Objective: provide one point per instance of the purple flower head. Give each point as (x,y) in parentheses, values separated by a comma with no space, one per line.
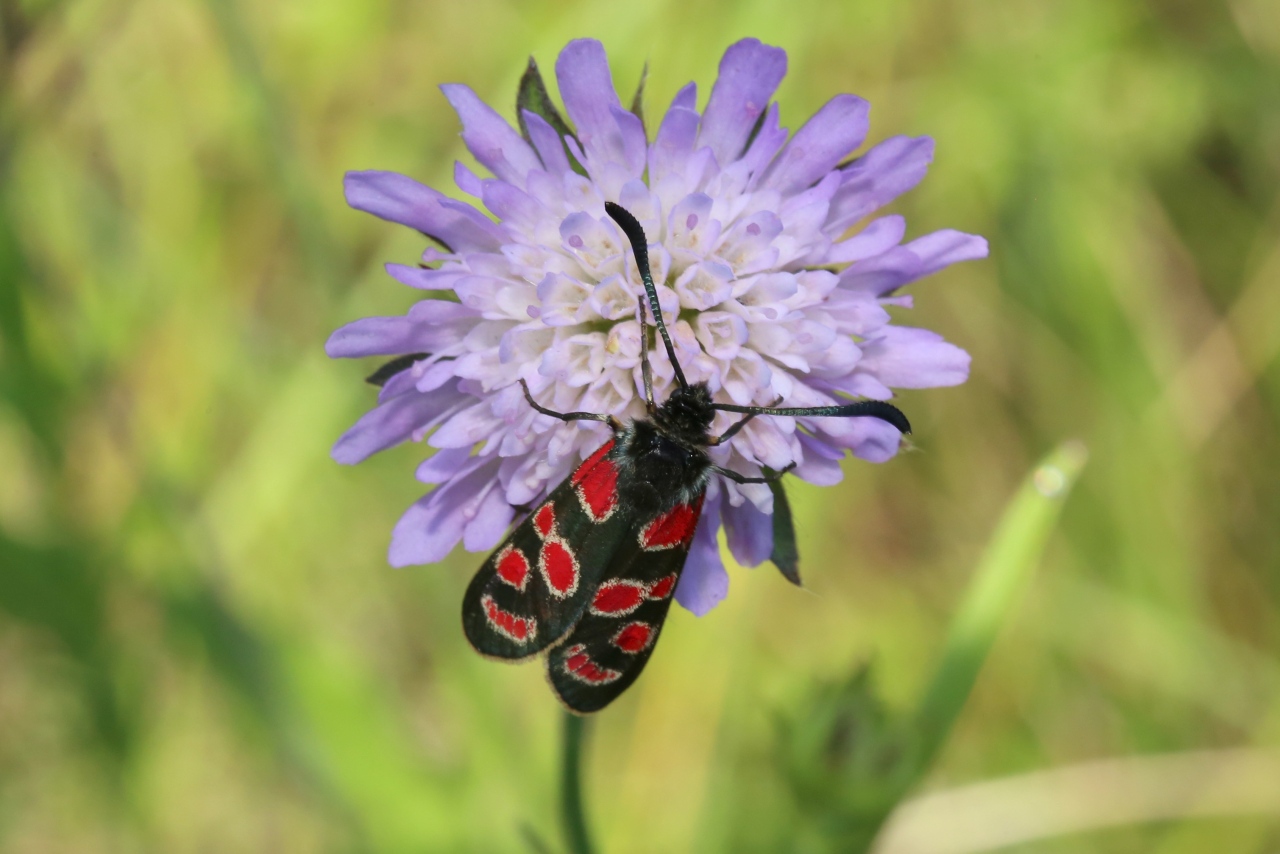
(772,273)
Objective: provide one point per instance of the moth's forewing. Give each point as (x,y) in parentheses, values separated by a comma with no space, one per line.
(537,584)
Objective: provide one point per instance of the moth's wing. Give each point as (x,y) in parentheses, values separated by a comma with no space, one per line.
(536,585)
(615,637)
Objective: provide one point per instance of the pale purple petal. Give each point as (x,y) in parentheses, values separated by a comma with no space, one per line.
(586,86)
(870,439)
(375,336)
(904,357)
(878,177)
(488,519)
(548,143)
(435,523)
(511,204)
(467,181)
(686,98)
(425,278)
(904,264)
(430,326)
(946,247)
(634,144)
(400,199)
(878,237)
(471,425)
(489,137)
(749,533)
(444,465)
(704,582)
(884,272)
(821,463)
(767,143)
(834,131)
(392,422)
(673,144)
(749,75)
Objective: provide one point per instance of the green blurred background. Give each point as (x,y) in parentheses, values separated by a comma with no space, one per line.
(202,648)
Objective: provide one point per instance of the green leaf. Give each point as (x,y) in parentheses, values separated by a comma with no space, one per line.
(637,103)
(532,95)
(786,557)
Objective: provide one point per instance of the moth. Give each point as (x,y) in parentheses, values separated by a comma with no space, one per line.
(588,576)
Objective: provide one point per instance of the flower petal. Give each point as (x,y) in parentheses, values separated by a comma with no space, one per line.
(749,75)
(443,465)
(548,144)
(425,278)
(904,264)
(467,181)
(487,135)
(398,198)
(434,524)
(704,582)
(487,519)
(878,177)
(870,439)
(878,237)
(749,533)
(393,421)
(834,131)
(905,357)
(374,336)
(586,86)
(429,326)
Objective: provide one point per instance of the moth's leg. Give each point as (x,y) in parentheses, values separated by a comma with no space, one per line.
(741,478)
(733,429)
(645,370)
(570,416)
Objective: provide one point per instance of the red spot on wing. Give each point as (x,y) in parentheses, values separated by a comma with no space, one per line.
(662,588)
(633,637)
(596,482)
(616,598)
(544,521)
(673,528)
(513,626)
(559,567)
(590,462)
(513,567)
(580,666)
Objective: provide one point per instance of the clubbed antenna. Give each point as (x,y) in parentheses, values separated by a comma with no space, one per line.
(640,246)
(860,409)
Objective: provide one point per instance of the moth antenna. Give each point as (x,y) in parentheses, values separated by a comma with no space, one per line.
(860,409)
(640,246)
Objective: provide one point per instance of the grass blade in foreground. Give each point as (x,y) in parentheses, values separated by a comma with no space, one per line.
(849,759)
(1010,558)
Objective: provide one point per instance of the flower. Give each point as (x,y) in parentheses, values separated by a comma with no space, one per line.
(772,285)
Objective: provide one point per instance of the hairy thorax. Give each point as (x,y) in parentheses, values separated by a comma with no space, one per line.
(663,462)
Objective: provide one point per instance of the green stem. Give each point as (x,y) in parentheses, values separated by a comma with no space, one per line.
(571,810)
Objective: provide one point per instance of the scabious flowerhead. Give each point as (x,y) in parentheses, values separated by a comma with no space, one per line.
(772,276)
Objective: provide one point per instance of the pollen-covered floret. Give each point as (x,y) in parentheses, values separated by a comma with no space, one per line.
(772,271)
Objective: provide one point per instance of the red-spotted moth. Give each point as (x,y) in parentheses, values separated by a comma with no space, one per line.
(589,575)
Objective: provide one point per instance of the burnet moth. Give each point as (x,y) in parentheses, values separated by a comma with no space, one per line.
(589,575)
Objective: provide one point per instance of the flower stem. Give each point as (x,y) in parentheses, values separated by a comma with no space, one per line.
(571,810)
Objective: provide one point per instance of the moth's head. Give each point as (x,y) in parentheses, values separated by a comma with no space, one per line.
(687,413)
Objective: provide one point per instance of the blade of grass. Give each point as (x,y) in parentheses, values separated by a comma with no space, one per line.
(1007,565)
